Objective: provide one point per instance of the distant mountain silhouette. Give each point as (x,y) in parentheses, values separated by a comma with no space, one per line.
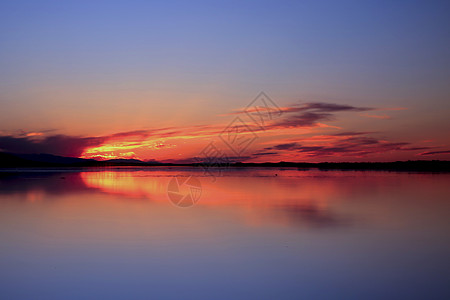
(124,161)
(8,160)
(18,160)
(11,160)
(53,159)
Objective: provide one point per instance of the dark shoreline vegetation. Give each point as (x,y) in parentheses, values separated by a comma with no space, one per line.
(10,160)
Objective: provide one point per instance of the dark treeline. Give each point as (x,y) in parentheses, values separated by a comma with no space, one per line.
(410,165)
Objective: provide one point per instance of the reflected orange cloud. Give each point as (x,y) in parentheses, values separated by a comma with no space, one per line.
(129,184)
(153,185)
(35,195)
(300,198)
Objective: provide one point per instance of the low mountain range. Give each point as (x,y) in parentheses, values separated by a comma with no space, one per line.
(15,160)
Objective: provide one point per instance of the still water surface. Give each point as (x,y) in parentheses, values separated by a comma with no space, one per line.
(251,235)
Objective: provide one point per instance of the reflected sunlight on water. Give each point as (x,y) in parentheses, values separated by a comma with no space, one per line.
(301,234)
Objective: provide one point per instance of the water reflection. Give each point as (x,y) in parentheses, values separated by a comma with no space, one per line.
(302,234)
(263,198)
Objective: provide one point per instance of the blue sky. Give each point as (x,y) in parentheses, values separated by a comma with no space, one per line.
(104,60)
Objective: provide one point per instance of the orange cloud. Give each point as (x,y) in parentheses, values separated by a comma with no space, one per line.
(184,143)
(34,134)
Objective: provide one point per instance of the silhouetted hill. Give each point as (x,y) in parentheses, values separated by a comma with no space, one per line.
(12,160)
(53,159)
(8,160)
(123,160)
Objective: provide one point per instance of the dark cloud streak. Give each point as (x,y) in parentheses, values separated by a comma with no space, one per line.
(436,152)
(310,114)
(354,144)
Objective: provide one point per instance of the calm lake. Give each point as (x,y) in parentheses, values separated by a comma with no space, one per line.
(175,233)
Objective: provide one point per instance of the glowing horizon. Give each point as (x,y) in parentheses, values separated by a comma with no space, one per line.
(301,132)
(158,81)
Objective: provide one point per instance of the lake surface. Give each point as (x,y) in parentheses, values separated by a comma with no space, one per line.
(249,234)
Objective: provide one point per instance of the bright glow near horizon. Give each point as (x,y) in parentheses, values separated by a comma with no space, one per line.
(160,80)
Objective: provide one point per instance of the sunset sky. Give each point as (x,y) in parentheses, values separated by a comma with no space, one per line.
(165,80)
